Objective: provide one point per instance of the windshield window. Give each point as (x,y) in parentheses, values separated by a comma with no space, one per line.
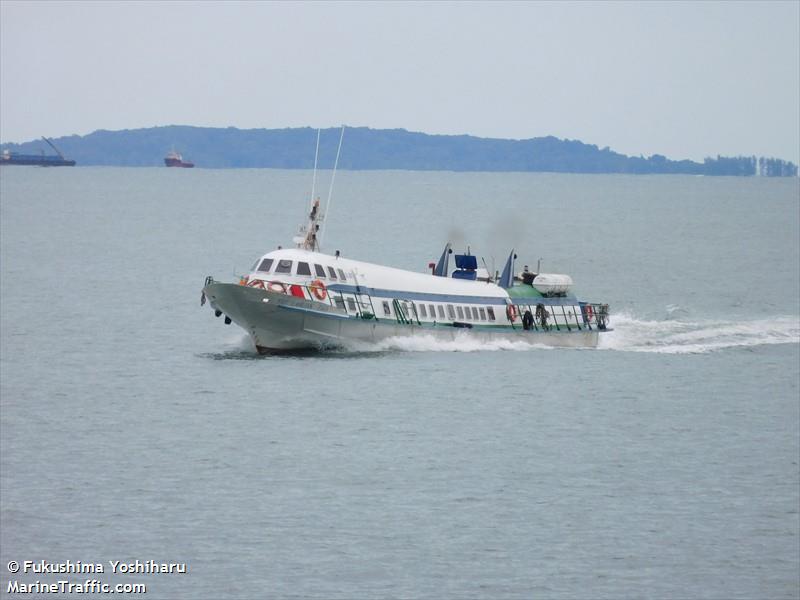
(303,268)
(284,266)
(265,265)
(320,270)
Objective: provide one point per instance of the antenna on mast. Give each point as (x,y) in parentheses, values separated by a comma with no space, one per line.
(307,236)
(310,236)
(314,180)
(333,177)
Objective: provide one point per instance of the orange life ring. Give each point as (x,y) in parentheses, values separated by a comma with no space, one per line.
(256,283)
(276,286)
(511,312)
(589,312)
(318,289)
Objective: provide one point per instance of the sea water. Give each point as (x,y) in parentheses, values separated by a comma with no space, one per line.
(137,427)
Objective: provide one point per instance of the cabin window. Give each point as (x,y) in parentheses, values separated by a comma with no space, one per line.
(341,275)
(303,268)
(483,313)
(386,310)
(284,266)
(332,273)
(460,312)
(339,302)
(450,312)
(265,265)
(441,311)
(475,313)
(320,270)
(351,304)
(432,311)
(423,311)
(490,312)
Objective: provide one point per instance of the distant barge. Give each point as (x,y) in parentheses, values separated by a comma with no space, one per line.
(173,159)
(42,160)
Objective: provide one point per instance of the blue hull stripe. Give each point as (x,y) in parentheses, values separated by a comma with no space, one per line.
(418,296)
(568,301)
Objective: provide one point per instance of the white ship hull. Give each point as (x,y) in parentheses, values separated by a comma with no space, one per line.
(279,322)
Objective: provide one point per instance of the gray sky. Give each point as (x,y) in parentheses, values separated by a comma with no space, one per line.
(686,80)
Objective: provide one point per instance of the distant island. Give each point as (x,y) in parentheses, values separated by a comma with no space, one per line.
(366,149)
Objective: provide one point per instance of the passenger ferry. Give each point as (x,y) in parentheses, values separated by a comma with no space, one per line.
(301,298)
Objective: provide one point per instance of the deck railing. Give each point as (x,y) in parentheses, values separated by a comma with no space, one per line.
(353,303)
(549,317)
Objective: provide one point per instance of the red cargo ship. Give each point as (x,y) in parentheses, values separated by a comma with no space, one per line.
(173,159)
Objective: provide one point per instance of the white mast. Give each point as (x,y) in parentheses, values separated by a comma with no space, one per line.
(333,177)
(314,180)
(307,236)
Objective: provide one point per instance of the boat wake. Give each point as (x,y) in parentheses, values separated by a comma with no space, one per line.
(696,337)
(630,334)
(240,346)
(428,343)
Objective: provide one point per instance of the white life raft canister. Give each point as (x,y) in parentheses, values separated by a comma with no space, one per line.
(552,283)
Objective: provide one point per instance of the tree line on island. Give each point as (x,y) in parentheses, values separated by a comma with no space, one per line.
(366,149)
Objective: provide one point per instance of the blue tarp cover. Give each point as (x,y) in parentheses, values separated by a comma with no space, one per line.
(466,261)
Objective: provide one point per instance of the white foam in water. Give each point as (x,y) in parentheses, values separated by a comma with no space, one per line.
(239,341)
(687,337)
(629,335)
(428,343)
